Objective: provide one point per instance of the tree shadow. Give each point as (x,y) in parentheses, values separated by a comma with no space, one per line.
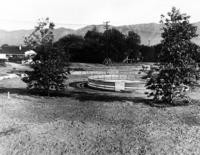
(89,109)
(85,96)
(20,91)
(88,96)
(79,95)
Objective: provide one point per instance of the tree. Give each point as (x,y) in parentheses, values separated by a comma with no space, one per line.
(132,42)
(148,53)
(72,45)
(42,34)
(4,45)
(48,71)
(176,68)
(114,44)
(93,46)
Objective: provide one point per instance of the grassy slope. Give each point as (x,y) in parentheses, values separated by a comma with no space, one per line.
(93,122)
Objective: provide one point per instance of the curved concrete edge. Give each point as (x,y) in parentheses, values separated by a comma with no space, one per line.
(102,82)
(109,72)
(105,78)
(9,76)
(103,87)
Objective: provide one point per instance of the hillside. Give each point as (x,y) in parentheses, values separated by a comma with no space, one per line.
(17,37)
(150,33)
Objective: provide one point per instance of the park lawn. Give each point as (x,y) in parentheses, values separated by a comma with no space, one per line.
(94,122)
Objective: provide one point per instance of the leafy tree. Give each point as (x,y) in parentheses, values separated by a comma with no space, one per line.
(48,71)
(4,45)
(177,64)
(73,46)
(96,46)
(157,49)
(93,46)
(132,42)
(114,44)
(42,34)
(93,35)
(148,53)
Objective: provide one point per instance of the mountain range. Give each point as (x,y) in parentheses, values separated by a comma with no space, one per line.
(150,33)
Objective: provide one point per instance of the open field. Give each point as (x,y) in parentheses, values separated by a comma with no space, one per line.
(86,121)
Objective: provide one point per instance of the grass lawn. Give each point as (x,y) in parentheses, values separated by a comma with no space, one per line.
(94,122)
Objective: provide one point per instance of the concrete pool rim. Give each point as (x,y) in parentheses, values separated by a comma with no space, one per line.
(115,82)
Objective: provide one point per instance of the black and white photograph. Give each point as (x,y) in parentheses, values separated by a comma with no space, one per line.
(99,77)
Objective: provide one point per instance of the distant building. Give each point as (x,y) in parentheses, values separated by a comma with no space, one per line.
(3,58)
(13,50)
(13,53)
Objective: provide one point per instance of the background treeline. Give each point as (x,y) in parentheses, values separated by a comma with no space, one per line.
(95,46)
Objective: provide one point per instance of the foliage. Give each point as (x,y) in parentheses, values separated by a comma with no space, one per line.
(132,42)
(72,45)
(48,64)
(114,45)
(148,53)
(95,46)
(177,58)
(42,34)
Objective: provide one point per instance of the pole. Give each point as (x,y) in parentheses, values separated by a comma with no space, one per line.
(8,95)
(106,27)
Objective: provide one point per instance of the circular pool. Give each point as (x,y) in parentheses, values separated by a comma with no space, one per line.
(115,82)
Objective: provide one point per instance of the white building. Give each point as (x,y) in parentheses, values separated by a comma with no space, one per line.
(3,58)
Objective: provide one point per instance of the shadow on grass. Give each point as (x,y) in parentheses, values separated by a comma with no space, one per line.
(79,95)
(85,96)
(20,91)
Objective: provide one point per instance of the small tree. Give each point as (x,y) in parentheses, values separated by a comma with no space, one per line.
(48,65)
(177,58)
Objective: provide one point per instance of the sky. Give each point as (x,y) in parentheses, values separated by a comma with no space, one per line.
(24,14)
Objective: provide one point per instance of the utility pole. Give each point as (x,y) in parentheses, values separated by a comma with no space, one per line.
(149,42)
(106,25)
(107,60)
